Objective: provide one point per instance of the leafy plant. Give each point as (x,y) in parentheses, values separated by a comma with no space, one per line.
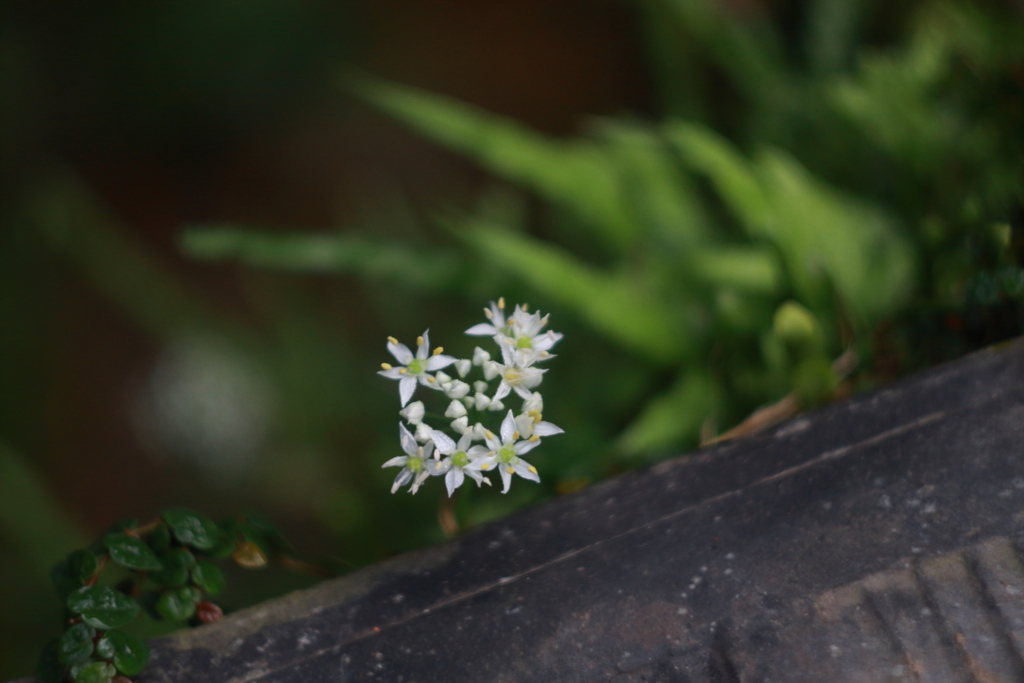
(166,568)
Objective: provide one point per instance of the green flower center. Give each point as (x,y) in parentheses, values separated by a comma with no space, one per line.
(460,459)
(506,454)
(415,366)
(414,464)
(524,343)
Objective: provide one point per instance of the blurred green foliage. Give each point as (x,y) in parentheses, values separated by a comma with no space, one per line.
(870,189)
(842,176)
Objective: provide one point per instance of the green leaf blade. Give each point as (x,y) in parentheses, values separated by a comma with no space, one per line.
(131,552)
(130,655)
(102,607)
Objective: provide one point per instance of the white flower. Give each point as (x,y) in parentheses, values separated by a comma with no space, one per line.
(514,376)
(505,454)
(535,402)
(460,456)
(413,413)
(455,409)
(496,315)
(526,335)
(463,366)
(416,368)
(413,463)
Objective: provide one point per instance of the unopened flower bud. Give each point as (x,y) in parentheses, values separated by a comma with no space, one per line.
(478,432)
(455,409)
(413,413)
(457,389)
(461,425)
(463,366)
(481,401)
(442,377)
(491,370)
(422,432)
(480,387)
(535,402)
(496,405)
(480,356)
(524,423)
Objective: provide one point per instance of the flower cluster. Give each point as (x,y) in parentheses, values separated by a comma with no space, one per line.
(432,452)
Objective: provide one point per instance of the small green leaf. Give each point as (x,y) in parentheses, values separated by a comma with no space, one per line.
(131,552)
(160,539)
(179,557)
(173,607)
(96,672)
(130,654)
(193,529)
(227,541)
(76,644)
(83,563)
(102,607)
(209,577)
(170,577)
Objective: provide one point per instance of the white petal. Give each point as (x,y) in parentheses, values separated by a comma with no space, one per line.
(547,429)
(424,349)
(482,464)
(522,391)
(523,469)
(476,476)
(427,449)
(393,373)
(463,367)
(401,353)
(475,452)
(439,467)
(454,479)
(507,352)
(465,441)
(406,387)
(508,427)
(444,443)
(420,478)
(455,409)
(407,440)
(483,329)
(438,362)
(522,447)
(401,480)
(396,462)
(502,391)
(524,423)
(506,477)
(499,315)
(535,402)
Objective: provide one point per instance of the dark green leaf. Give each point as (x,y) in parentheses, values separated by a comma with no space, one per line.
(130,654)
(226,542)
(173,607)
(209,577)
(96,672)
(170,577)
(48,668)
(76,644)
(83,563)
(102,607)
(160,539)
(131,552)
(193,529)
(178,557)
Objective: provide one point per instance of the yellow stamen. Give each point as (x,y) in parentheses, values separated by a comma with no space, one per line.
(392,340)
(515,435)
(532,469)
(501,303)
(431,379)
(535,414)
(534,439)
(510,470)
(486,466)
(487,312)
(524,308)
(489,434)
(386,366)
(402,371)
(439,350)
(419,341)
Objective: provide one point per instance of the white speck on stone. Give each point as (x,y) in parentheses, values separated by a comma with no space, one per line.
(834,649)
(704,568)
(397,598)
(1012,590)
(925,612)
(827,505)
(718,518)
(728,572)
(304,641)
(915,550)
(730,556)
(885,502)
(682,610)
(1005,493)
(929,508)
